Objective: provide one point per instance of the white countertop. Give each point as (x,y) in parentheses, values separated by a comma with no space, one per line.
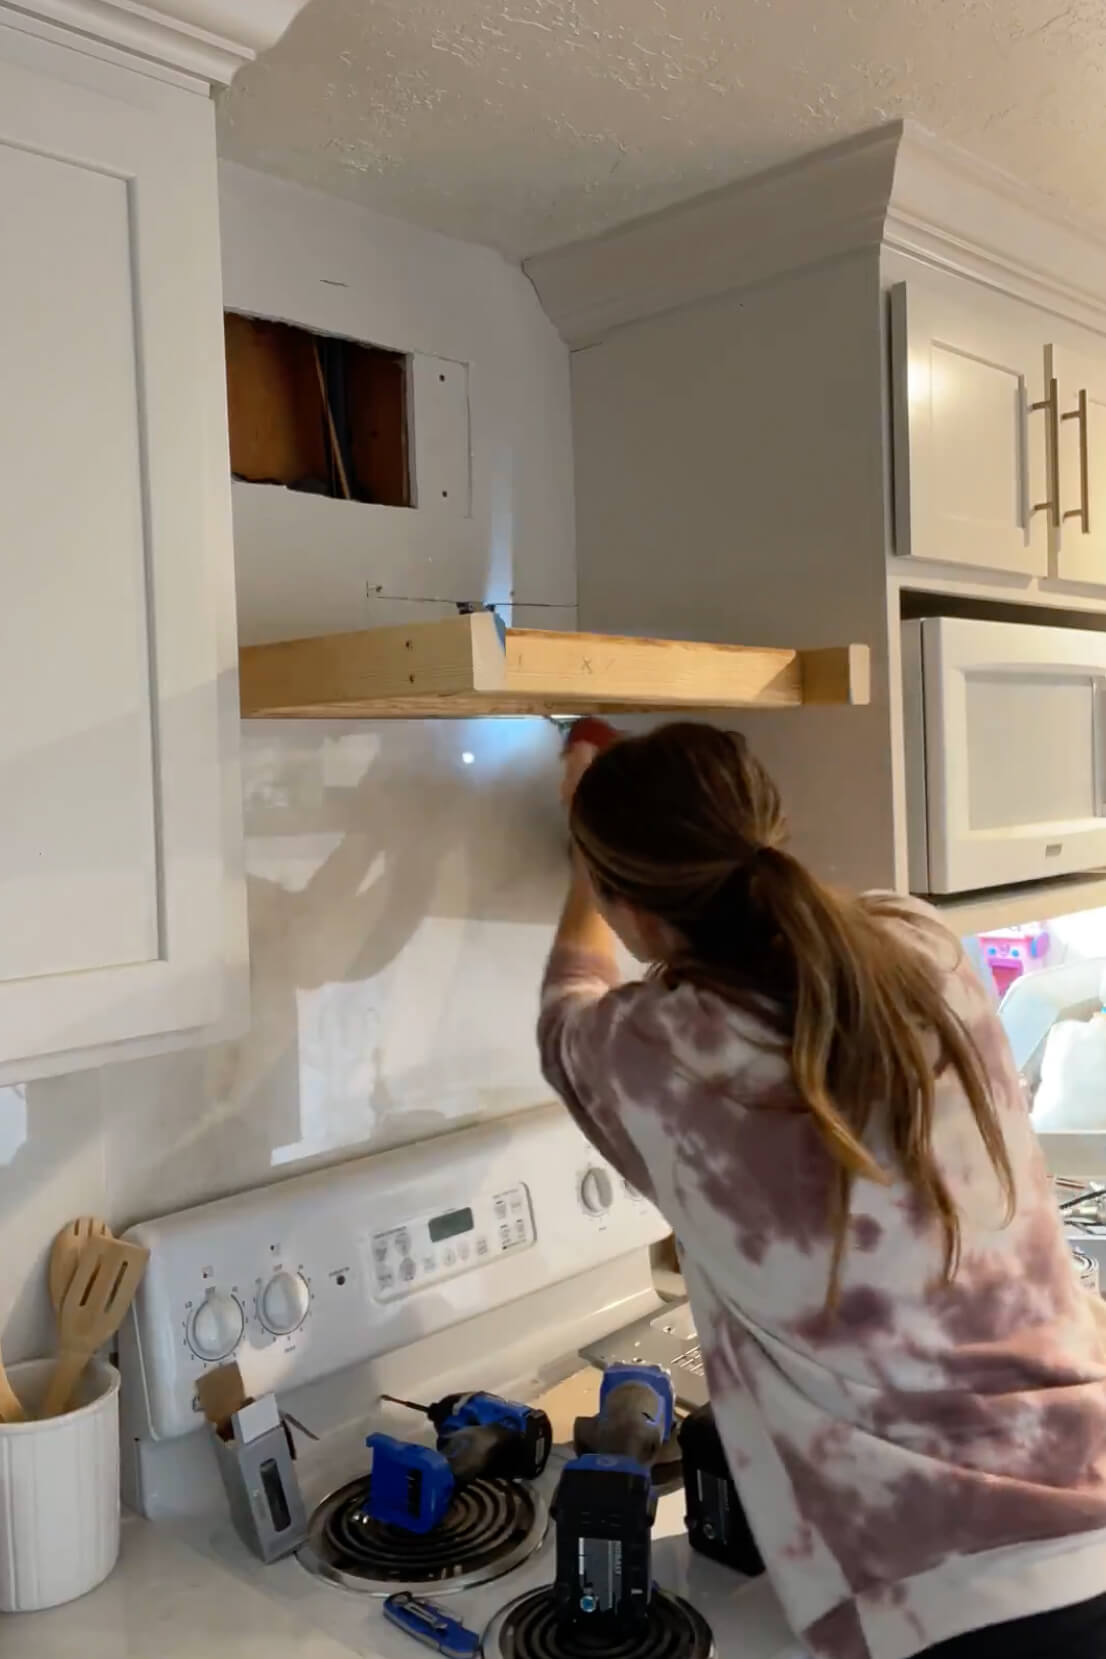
(166,1601)
(169,1599)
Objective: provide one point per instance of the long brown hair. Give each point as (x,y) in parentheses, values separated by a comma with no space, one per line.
(687,826)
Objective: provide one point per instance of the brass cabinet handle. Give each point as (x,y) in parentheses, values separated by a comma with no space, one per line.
(1050,403)
(1083,511)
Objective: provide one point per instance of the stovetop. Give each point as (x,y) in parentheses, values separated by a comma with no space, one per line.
(489,1259)
(1083,1209)
(491,1526)
(527,1629)
(742,1615)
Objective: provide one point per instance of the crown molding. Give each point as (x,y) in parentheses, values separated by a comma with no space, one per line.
(897,187)
(825,204)
(209,40)
(954,210)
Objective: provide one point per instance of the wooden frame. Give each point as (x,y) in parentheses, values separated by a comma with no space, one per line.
(472,665)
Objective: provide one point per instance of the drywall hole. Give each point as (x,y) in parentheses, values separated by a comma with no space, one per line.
(316,413)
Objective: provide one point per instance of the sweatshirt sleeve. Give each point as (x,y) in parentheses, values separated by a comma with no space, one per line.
(583,1032)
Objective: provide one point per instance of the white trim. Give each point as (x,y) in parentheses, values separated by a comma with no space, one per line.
(209,40)
(897,186)
(1040,901)
(20,35)
(952,209)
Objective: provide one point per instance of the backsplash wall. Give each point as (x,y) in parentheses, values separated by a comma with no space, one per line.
(403,877)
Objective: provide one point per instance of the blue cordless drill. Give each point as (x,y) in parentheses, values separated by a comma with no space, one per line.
(409,1486)
(606,1504)
(482,1434)
(637,1408)
(478,1435)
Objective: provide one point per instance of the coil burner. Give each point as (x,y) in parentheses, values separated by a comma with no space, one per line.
(528,1629)
(490,1527)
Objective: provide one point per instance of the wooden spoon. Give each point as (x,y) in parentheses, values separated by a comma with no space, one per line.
(11,1410)
(100,1292)
(66,1253)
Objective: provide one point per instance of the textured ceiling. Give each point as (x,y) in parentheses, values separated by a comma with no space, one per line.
(529,123)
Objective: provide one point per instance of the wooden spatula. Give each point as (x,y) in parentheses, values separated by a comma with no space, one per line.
(100,1292)
(66,1253)
(11,1410)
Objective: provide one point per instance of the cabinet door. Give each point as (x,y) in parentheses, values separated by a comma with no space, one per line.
(113,525)
(1079,533)
(970,432)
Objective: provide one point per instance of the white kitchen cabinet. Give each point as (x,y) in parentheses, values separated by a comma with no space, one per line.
(111,852)
(751,457)
(1079,528)
(121,903)
(971,428)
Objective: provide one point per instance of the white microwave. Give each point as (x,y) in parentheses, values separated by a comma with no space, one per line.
(1005,731)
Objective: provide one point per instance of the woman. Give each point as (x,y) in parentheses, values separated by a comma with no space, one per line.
(909,1381)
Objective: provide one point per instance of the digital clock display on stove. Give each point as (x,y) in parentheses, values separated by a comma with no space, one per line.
(451,1225)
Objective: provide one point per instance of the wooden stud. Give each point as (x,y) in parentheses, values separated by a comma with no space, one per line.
(378,422)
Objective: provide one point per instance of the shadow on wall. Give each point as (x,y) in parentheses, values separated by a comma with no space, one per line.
(403,880)
(388,867)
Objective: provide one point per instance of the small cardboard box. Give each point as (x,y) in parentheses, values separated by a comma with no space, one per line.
(255,1455)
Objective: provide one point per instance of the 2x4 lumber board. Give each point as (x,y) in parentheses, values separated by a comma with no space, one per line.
(376,665)
(655,673)
(837,674)
(660,673)
(470,665)
(471,706)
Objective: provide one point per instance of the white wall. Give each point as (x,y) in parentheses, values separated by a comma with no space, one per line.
(729,480)
(401,897)
(310,565)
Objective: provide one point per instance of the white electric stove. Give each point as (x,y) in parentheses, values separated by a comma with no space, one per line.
(486,1259)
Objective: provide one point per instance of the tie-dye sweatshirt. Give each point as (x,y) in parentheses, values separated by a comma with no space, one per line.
(931,1458)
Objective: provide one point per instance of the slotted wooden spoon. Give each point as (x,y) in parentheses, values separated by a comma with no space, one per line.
(11,1409)
(100,1292)
(66,1253)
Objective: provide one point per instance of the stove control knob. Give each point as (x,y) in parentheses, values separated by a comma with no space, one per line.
(216,1327)
(596,1193)
(284,1302)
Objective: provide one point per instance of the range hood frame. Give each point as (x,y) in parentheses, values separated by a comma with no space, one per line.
(473,665)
